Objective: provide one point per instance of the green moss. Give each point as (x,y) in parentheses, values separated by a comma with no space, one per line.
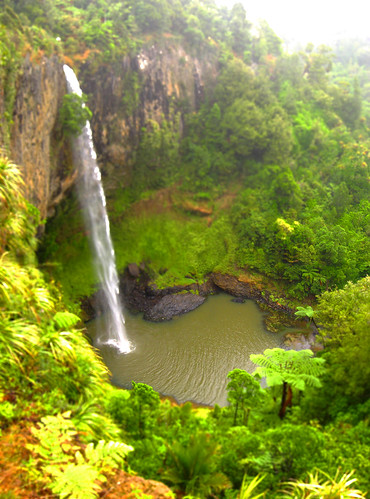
(186,246)
(65,252)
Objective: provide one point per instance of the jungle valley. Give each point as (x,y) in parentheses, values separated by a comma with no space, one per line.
(229,164)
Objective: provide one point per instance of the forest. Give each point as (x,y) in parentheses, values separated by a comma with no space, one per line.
(265,173)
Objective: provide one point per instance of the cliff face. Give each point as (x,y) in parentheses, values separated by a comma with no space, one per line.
(34,146)
(161,82)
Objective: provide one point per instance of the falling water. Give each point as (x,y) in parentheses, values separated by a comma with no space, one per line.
(94,207)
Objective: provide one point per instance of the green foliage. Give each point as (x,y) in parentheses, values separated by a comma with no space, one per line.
(238,443)
(157,155)
(345,316)
(9,65)
(244,393)
(73,114)
(292,136)
(7,412)
(65,320)
(18,218)
(305,312)
(247,490)
(321,486)
(66,467)
(291,369)
(299,368)
(192,468)
(70,264)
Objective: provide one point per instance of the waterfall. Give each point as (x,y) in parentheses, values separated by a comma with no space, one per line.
(93,203)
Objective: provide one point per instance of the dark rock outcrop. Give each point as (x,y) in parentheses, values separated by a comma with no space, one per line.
(244,288)
(171,306)
(140,295)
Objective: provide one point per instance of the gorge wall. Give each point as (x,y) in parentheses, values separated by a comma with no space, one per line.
(34,142)
(160,82)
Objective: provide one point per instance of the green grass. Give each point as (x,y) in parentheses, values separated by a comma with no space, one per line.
(186,247)
(178,250)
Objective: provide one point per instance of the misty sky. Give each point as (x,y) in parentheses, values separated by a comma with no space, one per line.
(318,21)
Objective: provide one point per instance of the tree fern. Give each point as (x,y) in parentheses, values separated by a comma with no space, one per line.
(276,361)
(289,368)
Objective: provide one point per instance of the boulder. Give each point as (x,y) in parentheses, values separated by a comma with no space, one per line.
(299,341)
(173,305)
(133,270)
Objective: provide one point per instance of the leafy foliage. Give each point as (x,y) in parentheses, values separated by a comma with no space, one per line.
(244,392)
(65,466)
(289,368)
(317,487)
(345,316)
(192,467)
(299,368)
(291,132)
(73,114)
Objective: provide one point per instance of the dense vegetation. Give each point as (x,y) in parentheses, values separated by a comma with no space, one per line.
(287,134)
(278,153)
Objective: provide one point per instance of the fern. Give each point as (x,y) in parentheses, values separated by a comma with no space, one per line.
(107,454)
(65,320)
(289,368)
(65,466)
(76,481)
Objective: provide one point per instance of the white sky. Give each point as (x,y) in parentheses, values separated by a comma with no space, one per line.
(318,21)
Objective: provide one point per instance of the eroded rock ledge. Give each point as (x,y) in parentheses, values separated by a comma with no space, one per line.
(140,295)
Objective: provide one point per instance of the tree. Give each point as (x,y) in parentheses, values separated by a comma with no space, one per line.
(345,317)
(289,368)
(240,29)
(143,398)
(244,392)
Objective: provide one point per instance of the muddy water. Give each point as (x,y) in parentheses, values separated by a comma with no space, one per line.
(188,358)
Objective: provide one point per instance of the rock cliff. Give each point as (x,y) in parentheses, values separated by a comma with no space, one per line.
(34,144)
(162,81)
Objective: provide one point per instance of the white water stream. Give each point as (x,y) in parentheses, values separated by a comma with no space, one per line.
(93,203)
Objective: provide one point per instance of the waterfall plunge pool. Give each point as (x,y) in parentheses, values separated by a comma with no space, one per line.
(188,358)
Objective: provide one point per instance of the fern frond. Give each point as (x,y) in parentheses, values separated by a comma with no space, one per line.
(65,320)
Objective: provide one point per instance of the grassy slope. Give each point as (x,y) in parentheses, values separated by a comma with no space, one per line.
(168,230)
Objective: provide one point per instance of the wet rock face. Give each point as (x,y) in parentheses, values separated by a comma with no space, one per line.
(161,82)
(160,304)
(39,91)
(171,306)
